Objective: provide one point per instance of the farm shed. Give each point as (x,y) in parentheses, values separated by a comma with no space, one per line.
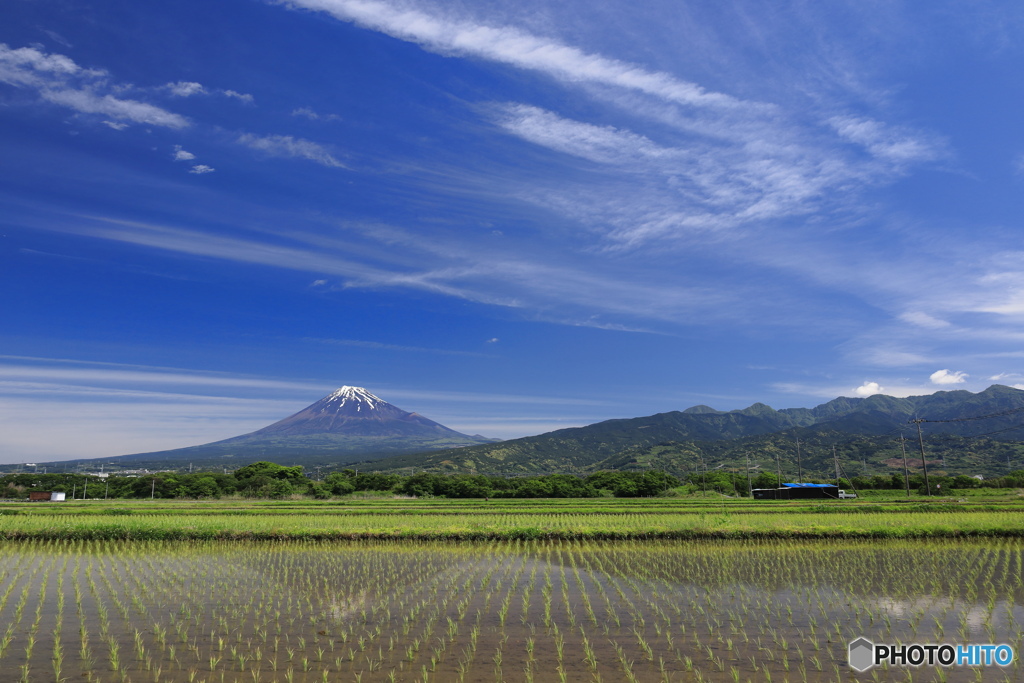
(46,496)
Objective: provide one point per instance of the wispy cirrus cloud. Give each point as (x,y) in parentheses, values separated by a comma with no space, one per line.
(898,145)
(59,80)
(643,191)
(366,344)
(290,147)
(19,371)
(546,288)
(732,161)
(97,409)
(516,47)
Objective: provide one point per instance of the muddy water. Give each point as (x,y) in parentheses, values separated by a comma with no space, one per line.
(530,611)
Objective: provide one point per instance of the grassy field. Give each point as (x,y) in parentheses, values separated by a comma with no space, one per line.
(665,518)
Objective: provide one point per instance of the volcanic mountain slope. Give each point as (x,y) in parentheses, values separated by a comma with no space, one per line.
(685,437)
(348,425)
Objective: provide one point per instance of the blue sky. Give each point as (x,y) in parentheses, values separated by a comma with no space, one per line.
(508,216)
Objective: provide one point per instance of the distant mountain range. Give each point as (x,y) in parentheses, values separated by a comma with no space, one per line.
(971,433)
(863,430)
(348,425)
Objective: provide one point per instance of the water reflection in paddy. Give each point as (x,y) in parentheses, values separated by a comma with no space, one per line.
(516,611)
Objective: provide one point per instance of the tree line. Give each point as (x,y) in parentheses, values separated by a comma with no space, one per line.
(271,480)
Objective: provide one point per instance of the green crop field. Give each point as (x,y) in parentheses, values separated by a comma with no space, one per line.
(664,518)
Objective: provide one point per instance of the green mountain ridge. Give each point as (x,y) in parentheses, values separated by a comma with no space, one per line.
(681,440)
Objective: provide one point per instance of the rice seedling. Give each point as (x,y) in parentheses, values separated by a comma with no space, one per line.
(386,610)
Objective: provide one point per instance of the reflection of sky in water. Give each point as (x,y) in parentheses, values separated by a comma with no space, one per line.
(769,601)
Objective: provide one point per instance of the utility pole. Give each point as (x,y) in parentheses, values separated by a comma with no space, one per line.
(778,472)
(750,487)
(152,491)
(906,470)
(924,463)
(799,467)
(85,491)
(106,489)
(704,477)
(835,460)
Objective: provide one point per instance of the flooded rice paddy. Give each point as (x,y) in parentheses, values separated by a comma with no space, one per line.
(512,611)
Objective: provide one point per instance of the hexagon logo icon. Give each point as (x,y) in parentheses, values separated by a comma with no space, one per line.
(861,654)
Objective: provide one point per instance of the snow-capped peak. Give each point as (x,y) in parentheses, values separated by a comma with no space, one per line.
(357,395)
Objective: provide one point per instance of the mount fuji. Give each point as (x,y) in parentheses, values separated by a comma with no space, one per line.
(348,425)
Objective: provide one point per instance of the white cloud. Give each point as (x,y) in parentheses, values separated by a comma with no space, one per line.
(57,38)
(947,377)
(365,344)
(200,169)
(922,319)
(28,66)
(740,162)
(186,89)
(560,291)
(887,357)
(492,340)
(869,389)
(288,146)
(57,409)
(644,190)
(115,125)
(87,101)
(892,144)
(191,88)
(864,390)
(182,155)
(90,427)
(21,370)
(1004,375)
(510,45)
(59,80)
(244,97)
(601,144)
(308,113)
